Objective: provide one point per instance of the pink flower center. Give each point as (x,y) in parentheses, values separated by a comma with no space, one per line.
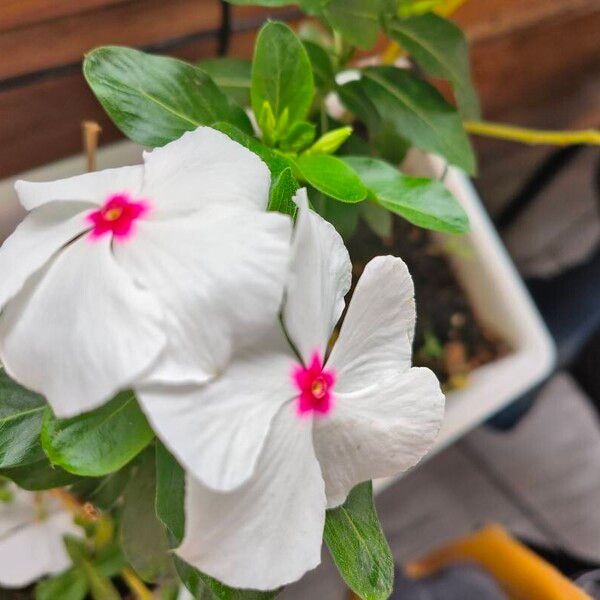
(315,385)
(117,217)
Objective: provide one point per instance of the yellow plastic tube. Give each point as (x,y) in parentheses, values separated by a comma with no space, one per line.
(521,573)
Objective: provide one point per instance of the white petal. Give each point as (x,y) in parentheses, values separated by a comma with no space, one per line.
(205,168)
(80,330)
(320,277)
(33,243)
(219,275)
(218,430)
(377,332)
(34,550)
(268,533)
(93,187)
(380,430)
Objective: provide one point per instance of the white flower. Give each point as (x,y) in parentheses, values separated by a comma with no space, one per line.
(274,441)
(152,272)
(31,538)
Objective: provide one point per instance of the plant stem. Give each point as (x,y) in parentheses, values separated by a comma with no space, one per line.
(533,136)
(136,585)
(91,133)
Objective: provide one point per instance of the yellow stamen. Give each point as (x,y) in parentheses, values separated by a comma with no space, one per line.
(113,214)
(318,388)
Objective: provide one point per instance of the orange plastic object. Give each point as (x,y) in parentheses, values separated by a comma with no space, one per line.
(521,573)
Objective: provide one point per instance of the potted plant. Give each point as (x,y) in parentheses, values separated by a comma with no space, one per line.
(120,466)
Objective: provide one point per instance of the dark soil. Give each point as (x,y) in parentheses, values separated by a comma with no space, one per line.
(448,338)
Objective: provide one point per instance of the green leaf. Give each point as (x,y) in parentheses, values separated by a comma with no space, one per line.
(322,66)
(104,492)
(232,75)
(39,475)
(424,202)
(358,546)
(282,192)
(70,585)
(281,73)
(98,442)
(276,162)
(331,141)
(170,492)
(100,585)
(333,177)
(440,48)
(204,587)
(155,99)
(413,109)
(378,219)
(298,137)
(356,20)
(343,216)
(308,5)
(21,413)
(143,536)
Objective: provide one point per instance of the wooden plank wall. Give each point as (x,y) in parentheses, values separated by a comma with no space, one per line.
(524,52)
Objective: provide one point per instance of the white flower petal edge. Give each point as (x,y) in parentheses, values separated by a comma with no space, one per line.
(386,415)
(89,187)
(103,330)
(320,277)
(218,274)
(42,233)
(204,168)
(268,532)
(217,431)
(377,334)
(30,549)
(214,289)
(380,430)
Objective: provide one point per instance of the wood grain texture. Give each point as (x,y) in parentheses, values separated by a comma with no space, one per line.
(526,55)
(19,13)
(133,23)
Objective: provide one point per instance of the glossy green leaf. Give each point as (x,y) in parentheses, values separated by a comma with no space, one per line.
(424,202)
(103,492)
(281,73)
(170,492)
(309,6)
(155,99)
(440,48)
(21,414)
(39,475)
(357,20)
(332,176)
(298,137)
(378,219)
(70,585)
(413,109)
(276,162)
(343,216)
(281,195)
(322,66)
(232,75)
(100,586)
(358,546)
(143,536)
(98,442)
(204,587)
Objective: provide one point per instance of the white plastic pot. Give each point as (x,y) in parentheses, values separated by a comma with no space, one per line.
(488,276)
(500,301)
